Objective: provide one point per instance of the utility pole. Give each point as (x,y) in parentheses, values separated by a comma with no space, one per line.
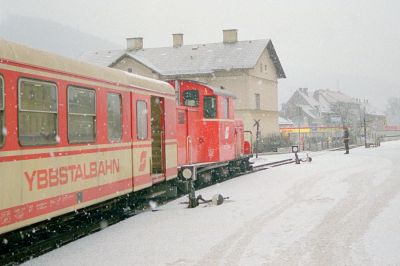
(298,126)
(365,130)
(257,125)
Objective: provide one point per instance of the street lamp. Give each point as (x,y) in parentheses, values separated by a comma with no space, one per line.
(365,131)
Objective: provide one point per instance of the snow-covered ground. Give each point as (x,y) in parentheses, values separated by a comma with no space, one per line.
(338,210)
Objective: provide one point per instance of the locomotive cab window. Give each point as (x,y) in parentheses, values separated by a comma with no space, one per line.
(210,107)
(114,125)
(191,98)
(37,113)
(2,129)
(81,115)
(141,119)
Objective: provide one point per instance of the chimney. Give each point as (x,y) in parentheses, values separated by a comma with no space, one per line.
(177,40)
(230,36)
(134,43)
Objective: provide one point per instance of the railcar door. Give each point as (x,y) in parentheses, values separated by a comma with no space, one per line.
(141,148)
(158,139)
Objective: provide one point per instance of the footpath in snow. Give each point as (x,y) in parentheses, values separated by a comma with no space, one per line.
(337,210)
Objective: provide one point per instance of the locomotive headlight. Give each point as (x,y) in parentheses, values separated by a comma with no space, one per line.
(187,173)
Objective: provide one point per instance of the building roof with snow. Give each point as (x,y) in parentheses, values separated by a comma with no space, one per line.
(193,59)
(335,96)
(370,109)
(285,122)
(328,98)
(308,97)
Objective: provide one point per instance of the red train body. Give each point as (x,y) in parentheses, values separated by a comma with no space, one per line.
(75,135)
(207,130)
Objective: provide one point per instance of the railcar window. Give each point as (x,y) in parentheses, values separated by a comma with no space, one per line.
(37,116)
(210,107)
(191,98)
(114,116)
(225,106)
(2,129)
(81,115)
(141,119)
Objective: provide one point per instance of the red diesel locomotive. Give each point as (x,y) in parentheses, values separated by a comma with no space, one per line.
(210,141)
(75,135)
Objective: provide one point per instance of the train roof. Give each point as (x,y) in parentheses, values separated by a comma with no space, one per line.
(27,55)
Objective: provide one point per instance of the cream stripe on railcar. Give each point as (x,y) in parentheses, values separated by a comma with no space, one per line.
(27,55)
(53,150)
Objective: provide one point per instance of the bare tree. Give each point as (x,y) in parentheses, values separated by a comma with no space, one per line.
(348,112)
(393,110)
(351,116)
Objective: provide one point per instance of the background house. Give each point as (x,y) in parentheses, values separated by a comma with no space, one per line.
(321,115)
(249,69)
(337,108)
(302,109)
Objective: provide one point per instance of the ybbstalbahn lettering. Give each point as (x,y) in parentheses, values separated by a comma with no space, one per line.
(51,177)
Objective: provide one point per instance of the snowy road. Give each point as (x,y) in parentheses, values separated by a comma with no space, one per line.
(338,210)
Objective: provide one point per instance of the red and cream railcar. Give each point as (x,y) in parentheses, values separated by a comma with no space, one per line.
(74,134)
(209,137)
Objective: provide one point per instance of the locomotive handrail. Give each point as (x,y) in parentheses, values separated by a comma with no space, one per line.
(189,148)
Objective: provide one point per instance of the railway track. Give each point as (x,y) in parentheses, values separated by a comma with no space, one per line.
(272,164)
(44,237)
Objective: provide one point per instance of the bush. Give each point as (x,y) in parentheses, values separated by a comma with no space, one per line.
(272,142)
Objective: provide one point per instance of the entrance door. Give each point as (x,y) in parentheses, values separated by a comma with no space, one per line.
(158,136)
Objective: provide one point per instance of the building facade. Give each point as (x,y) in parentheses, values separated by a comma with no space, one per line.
(249,69)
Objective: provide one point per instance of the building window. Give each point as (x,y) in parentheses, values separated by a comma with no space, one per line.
(2,130)
(210,107)
(191,98)
(141,119)
(225,106)
(114,117)
(37,113)
(81,115)
(129,69)
(257,97)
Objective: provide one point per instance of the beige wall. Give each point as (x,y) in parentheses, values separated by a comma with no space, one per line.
(268,93)
(236,84)
(260,71)
(268,121)
(245,87)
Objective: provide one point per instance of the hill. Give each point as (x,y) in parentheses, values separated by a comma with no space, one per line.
(51,36)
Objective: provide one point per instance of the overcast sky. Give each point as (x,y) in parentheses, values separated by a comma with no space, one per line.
(352,46)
